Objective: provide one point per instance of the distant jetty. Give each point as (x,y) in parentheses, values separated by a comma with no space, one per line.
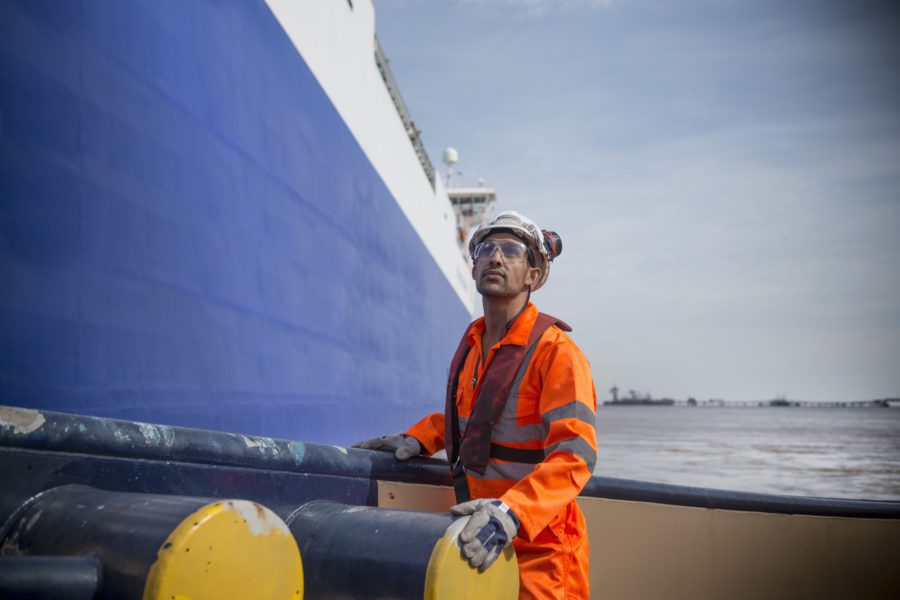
(641,402)
(632,398)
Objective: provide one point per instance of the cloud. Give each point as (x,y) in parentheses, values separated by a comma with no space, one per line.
(528,8)
(540,7)
(724,176)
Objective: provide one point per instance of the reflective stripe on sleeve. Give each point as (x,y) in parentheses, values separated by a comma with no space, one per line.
(498,470)
(577,446)
(572,410)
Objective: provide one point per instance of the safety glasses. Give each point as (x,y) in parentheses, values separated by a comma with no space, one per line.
(510,249)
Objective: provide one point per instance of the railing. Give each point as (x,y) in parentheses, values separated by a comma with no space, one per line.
(381,61)
(52,433)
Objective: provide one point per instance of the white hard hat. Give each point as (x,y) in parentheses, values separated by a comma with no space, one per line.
(529,232)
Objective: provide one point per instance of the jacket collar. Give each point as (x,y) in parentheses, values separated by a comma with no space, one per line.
(518,331)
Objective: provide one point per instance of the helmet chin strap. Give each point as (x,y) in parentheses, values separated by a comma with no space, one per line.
(513,320)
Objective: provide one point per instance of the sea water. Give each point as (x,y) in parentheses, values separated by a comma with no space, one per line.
(830,452)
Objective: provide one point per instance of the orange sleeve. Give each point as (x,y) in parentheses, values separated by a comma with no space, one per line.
(429,432)
(568,405)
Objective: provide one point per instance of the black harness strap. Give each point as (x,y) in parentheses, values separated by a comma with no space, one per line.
(460,483)
(521,455)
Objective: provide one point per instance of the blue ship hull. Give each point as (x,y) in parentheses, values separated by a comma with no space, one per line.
(190,234)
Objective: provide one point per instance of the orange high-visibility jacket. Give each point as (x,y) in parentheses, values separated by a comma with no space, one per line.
(552,408)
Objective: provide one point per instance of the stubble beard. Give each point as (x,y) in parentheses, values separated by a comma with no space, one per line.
(491,289)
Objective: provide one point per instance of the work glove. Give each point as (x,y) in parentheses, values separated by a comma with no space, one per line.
(403,446)
(490,529)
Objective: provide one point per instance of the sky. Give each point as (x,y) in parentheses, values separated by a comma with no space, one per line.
(725,176)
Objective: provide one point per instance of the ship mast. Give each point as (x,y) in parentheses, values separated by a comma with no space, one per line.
(472,205)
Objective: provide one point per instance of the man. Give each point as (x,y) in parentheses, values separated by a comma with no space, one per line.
(518,423)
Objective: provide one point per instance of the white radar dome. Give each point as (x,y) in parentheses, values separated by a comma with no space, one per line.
(450,156)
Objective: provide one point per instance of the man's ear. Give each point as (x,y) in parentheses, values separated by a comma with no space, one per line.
(534,274)
(473,272)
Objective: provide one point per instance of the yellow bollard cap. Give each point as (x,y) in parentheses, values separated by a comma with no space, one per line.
(228,549)
(450,577)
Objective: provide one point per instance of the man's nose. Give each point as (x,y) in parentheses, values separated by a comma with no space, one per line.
(496,256)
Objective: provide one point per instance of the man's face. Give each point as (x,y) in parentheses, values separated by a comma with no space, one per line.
(500,276)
